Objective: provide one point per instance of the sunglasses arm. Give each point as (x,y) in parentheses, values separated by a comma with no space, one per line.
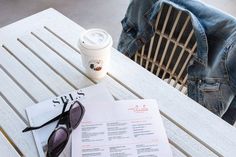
(50,121)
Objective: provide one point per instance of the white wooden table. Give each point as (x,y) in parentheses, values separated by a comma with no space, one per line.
(39,59)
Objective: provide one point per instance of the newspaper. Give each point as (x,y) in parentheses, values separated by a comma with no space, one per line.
(128,128)
(46,110)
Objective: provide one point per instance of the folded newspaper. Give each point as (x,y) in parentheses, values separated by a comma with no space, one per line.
(46,110)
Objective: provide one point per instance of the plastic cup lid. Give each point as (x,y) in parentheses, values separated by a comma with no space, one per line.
(95,39)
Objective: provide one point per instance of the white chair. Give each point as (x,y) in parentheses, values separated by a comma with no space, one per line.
(170,50)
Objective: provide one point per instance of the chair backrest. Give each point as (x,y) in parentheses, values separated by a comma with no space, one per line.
(170,50)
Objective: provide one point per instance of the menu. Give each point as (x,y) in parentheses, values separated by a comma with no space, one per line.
(128,128)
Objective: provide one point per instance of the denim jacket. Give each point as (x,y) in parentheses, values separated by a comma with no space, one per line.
(212,73)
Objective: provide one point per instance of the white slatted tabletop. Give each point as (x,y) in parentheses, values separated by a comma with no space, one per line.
(39,59)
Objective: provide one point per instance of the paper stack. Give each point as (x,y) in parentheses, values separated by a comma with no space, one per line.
(109,128)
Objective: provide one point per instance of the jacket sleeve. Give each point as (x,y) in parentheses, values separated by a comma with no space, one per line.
(231,67)
(136,28)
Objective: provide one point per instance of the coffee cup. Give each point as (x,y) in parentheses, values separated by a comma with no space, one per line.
(95,48)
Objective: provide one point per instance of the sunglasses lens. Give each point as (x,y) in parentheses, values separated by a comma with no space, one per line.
(76,114)
(57,142)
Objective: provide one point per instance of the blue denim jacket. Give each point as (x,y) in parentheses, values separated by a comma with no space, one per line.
(212,74)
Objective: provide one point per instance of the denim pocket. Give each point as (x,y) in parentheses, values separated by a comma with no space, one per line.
(230,65)
(212,97)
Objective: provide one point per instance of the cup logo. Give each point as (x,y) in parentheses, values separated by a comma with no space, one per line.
(96,65)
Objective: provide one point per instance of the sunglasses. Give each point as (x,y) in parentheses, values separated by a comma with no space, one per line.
(60,135)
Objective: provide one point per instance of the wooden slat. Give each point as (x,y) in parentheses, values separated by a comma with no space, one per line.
(184,67)
(149,52)
(184,82)
(36,66)
(6,149)
(37,21)
(72,76)
(175,41)
(185,143)
(142,54)
(176,152)
(181,55)
(73,58)
(15,91)
(135,58)
(176,44)
(23,77)
(13,125)
(167,44)
(178,108)
(152,39)
(28,82)
(18,98)
(82,80)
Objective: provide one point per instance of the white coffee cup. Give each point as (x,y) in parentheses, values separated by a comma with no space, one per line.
(95,47)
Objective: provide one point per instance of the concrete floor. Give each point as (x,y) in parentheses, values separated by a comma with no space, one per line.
(105,14)
(225,5)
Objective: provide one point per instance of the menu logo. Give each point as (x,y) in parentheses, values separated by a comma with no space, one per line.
(139,109)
